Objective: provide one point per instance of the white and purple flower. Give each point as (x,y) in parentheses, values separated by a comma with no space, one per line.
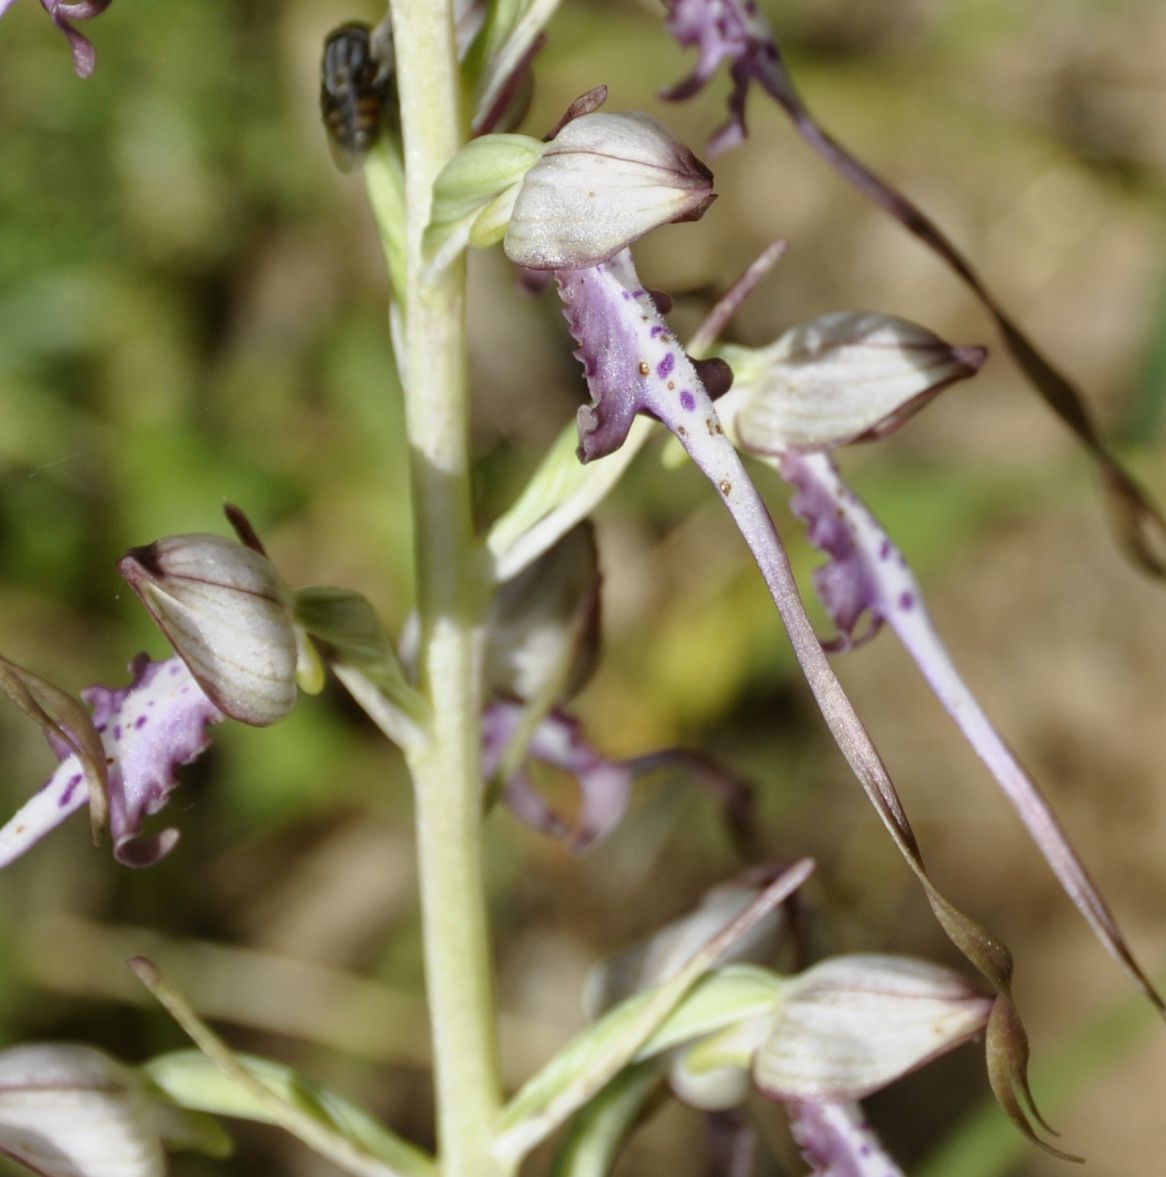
(223,607)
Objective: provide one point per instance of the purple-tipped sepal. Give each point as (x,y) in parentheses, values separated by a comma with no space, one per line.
(843,377)
(603,182)
(226,613)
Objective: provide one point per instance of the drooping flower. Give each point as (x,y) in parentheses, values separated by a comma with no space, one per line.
(149,729)
(816,1041)
(633,364)
(558,741)
(868,373)
(542,641)
(224,609)
(737,32)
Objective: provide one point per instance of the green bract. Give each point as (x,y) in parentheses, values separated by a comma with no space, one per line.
(474,192)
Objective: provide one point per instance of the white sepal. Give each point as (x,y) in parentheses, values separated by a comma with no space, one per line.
(70,1111)
(843,377)
(224,609)
(853,1024)
(603,182)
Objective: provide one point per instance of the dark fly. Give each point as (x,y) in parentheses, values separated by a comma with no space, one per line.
(355,85)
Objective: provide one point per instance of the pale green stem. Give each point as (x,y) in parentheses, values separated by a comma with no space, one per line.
(450,596)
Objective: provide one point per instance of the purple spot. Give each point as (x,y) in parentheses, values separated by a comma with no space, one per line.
(117,731)
(174,670)
(665,366)
(885,549)
(687,401)
(67,796)
(906,601)
(624,295)
(139,723)
(101,728)
(656,329)
(865,1150)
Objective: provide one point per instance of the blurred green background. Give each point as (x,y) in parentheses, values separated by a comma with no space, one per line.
(192,311)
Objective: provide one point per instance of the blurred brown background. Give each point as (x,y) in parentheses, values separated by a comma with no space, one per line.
(192,311)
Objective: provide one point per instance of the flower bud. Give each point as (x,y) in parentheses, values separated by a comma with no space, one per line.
(603,181)
(843,377)
(853,1024)
(224,609)
(474,194)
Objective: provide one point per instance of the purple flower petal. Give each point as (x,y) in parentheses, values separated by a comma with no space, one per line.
(605,785)
(868,573)
(62,16)
(836,1141)
(148,729)
(631,359)
(722,30)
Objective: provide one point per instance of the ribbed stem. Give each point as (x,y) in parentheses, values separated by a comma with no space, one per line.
(450,599)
